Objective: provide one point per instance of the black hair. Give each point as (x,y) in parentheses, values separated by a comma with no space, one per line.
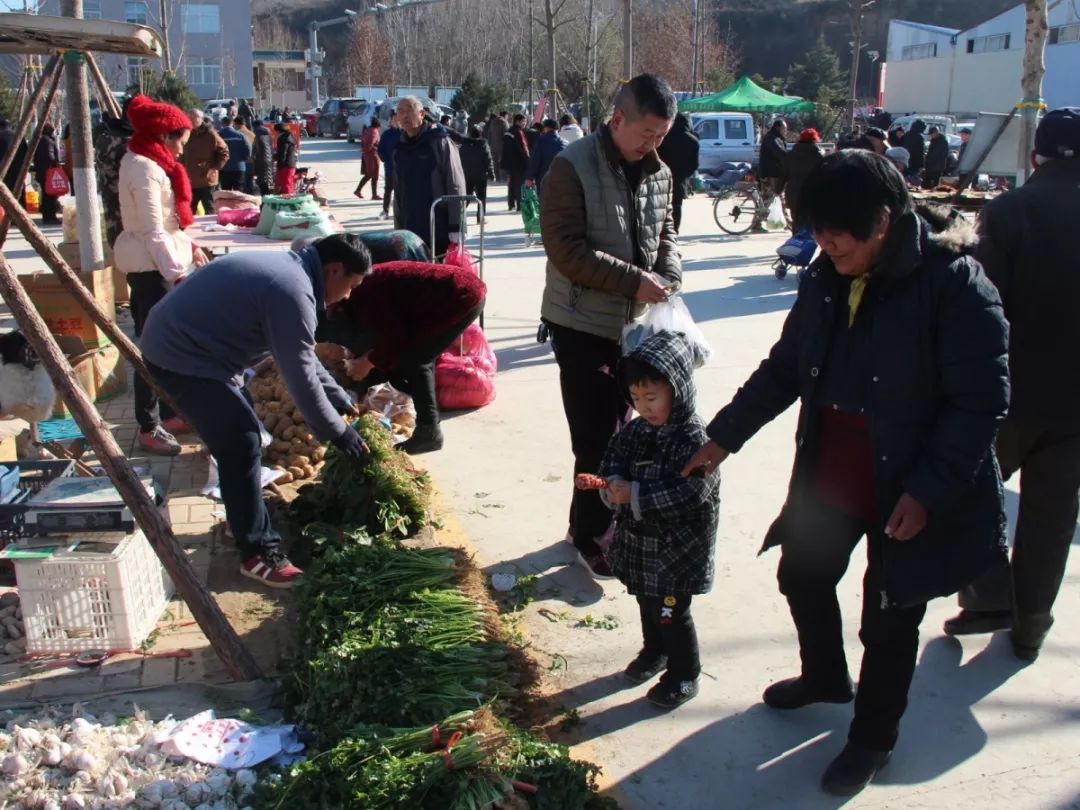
(445,119)
(551,123)
(519,117)
(647,94)
(503,112)
(848,190)
(375,123)
(637,372)
(238,121)
(537,126)
(347,248)
(567,120)
(474,131)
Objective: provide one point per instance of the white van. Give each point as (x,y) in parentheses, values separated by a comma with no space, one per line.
(728,137)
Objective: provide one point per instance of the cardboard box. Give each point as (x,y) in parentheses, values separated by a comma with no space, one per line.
(63,314)
(70,252)
(101,373)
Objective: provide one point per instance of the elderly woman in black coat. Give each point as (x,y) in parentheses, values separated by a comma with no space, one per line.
(896,347)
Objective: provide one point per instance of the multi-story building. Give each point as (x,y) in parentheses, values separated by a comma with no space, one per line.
(209,42)
(945,70)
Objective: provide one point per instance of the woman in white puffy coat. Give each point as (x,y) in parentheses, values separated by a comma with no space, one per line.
(153,250)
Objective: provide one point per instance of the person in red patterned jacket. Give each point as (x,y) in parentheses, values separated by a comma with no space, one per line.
(397,323)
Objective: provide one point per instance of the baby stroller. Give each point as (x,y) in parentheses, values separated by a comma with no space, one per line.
(798,251)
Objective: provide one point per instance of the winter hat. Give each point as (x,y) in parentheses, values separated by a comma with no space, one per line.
(1058,135)
(876,132)
(900,155)
(155,117)
(809,135)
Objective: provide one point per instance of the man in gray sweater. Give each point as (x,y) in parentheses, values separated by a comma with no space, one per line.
(225,318)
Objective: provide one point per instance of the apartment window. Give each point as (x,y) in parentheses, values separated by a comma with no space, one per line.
(1060,34)
(204,70)
(988,44)
(926,50)
(135,67)
(202,18)
(135,12)
(91,9)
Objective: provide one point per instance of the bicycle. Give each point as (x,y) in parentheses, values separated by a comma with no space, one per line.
(739,208)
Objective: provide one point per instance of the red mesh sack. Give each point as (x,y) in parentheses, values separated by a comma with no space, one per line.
(241,217)
(465,373)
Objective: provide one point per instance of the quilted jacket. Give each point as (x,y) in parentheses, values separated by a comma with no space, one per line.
(664,539)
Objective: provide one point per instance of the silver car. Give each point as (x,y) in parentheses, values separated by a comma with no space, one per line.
(359,119)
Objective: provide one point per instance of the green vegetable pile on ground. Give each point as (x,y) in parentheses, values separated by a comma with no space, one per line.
(400,676)
(384,493)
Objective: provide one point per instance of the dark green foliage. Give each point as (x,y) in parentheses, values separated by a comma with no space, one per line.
(169,87)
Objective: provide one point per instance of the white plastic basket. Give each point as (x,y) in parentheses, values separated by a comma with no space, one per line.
(75,601)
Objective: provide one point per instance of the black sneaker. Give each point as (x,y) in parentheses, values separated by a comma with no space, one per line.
(794,693)
(853,770)
(672,694)
(974,622)
(645,667)
(425,439)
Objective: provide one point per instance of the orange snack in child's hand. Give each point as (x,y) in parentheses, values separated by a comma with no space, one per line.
(589,481)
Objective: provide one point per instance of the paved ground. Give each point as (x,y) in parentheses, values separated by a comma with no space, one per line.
(981,729)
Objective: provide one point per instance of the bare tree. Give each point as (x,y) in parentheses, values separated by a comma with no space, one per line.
(1036,30)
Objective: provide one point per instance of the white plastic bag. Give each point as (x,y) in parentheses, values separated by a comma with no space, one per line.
(776,221)
(671,316)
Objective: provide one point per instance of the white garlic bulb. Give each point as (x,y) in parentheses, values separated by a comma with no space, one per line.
(14,764)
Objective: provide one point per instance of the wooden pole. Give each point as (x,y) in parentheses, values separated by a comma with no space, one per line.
(91,250)
(108,102)
(24,119)
(78,291)
(28,159)
(223,638)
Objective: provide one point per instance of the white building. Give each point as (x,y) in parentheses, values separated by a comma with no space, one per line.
(944,70)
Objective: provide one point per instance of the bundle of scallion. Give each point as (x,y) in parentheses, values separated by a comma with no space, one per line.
(439,766)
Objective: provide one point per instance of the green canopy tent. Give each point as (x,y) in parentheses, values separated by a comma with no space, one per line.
(745,96)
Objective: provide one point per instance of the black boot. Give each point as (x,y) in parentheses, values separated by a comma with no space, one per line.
(794,693)
(853,770)
(425,439)
(645,667)
(1028,634)
(973,622)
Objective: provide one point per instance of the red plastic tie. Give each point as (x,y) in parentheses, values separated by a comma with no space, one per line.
(436,738)
(454,740)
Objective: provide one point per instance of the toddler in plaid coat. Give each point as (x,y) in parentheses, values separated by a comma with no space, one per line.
(665,524)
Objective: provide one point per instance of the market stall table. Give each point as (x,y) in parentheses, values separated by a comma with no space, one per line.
(221,241)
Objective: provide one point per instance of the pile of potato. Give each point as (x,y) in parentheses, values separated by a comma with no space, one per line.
(294,449)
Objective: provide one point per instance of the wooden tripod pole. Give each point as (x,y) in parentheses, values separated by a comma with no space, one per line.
(223,638)
(78,291)
(20,178)
(52,68)
(108,101)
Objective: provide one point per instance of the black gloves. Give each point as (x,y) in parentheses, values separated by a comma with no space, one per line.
(351,444)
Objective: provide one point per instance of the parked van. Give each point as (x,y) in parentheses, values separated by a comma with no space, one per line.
(724,138)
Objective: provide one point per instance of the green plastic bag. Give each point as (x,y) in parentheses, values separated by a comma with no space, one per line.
(272,205)
(289,225)
(530,210)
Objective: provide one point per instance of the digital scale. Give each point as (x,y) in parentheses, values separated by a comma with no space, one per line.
(78,505)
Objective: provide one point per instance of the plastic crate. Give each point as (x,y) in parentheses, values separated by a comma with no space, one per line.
(75,601)
(33,476)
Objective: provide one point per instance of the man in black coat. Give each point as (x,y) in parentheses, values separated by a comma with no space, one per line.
(1029,246)
(937,158)
(515,159)
(915,143)
(679,151)
(772,163)
(903,379)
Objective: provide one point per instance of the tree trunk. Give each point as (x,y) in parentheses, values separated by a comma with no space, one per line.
(1031,83)
(628,40)
(549,18)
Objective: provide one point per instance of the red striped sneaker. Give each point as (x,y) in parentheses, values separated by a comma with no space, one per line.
(272,568)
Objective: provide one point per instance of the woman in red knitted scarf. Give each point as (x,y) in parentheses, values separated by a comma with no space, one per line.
(153,250)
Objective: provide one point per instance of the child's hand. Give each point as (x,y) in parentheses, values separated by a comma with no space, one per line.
(618,492)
